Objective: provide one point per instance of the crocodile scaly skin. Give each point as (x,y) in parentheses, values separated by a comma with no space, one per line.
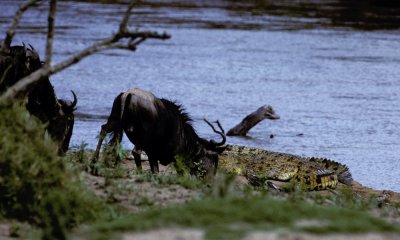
(259,165)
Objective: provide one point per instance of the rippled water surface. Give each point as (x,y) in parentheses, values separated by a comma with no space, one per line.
(336,87)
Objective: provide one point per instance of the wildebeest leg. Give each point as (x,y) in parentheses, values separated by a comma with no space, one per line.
(154,167)
(137,156)
(116,138)
(105,129)
(153,164)
(210,165)
(113,124)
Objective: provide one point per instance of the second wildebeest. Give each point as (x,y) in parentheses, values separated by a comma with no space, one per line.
(162,129)
(17,62)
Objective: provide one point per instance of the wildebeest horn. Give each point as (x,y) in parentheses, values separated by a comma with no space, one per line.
(73,104)
(221,133)
(32,49)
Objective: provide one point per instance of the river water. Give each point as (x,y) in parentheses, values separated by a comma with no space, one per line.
(334,81)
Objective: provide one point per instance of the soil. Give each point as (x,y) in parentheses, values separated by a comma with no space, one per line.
(195,234)
(134,193)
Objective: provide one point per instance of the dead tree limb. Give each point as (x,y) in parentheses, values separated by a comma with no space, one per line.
(50,31)
(264,112)
(124,23)
(17,17)
(134,39)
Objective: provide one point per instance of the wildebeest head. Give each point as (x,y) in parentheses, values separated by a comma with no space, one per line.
(17,62)
(32,62)
(207,159)
(61,126)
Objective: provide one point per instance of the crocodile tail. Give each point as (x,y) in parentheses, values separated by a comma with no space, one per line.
(321,180)
(342,171)
(345,176)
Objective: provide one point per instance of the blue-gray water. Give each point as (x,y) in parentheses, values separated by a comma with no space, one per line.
(336,88)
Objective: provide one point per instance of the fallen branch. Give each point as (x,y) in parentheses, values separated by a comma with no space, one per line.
(264,112)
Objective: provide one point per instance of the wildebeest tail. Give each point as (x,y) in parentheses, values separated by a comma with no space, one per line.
(115,118)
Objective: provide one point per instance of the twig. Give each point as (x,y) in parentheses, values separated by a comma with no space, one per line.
(17,17)
(50,31)
(124,23)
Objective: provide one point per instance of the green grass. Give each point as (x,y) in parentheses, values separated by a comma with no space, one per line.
(36,185)
(187,181)
(234,216)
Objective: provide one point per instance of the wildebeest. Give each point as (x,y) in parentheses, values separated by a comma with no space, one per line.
(162,129)
(41,101)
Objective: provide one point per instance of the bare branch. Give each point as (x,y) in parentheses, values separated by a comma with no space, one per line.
(124,47)
(7,97)
(47,70)
(123,27)
(134,39)
(50,31)
(17,17)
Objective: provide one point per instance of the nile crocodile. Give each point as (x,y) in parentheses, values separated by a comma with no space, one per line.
(259,165)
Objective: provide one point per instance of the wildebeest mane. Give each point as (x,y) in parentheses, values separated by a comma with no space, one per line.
(190,138)
(177,109)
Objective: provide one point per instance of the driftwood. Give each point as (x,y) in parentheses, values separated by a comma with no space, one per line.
(264,112)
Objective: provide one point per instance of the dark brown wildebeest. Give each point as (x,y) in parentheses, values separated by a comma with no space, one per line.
(162,130)
(41,101)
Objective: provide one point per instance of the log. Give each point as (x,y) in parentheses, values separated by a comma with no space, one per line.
(264,112)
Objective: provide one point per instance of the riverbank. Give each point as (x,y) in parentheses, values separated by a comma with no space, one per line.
(144,205)
(139,192)
(171,197)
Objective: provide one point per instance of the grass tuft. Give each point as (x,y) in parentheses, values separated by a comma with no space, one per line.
(36,185)
(230,215)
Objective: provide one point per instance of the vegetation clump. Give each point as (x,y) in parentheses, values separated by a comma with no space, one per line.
(36,186)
